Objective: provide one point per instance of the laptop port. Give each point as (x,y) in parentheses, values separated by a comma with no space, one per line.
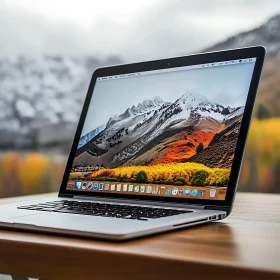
(221,216)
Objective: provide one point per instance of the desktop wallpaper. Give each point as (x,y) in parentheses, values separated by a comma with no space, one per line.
(173,129)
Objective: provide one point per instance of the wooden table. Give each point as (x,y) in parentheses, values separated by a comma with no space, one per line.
(244,246)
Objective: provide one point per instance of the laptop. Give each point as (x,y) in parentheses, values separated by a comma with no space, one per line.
(158,147)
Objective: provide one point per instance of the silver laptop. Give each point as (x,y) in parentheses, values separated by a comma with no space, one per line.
(158,147)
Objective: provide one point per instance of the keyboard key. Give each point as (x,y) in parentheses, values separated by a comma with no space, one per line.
(132,212)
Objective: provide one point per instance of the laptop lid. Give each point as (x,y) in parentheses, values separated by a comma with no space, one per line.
(167,130)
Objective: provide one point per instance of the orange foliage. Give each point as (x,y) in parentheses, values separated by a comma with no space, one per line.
(165,173)
(32,171)
(22,174)
(261,165)
(185,148)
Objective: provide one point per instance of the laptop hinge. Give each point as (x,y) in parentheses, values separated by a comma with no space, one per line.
(65,195)
(140,202)
(219,208)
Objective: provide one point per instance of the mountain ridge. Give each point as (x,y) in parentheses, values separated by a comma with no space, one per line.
(267,34)
(39,90)
(125,139)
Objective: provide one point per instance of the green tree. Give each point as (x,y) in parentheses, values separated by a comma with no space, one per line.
(200,147)
(141,177)
(199,178)
(180,181)
(262,112)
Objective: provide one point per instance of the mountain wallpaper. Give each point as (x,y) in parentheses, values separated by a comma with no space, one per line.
(167,142)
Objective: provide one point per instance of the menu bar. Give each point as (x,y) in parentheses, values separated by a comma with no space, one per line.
(205,65)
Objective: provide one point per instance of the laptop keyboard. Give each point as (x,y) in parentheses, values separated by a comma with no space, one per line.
(104,210)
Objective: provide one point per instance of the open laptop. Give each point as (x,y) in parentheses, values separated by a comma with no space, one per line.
(158,147)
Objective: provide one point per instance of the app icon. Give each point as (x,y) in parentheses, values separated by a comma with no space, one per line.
(148,189)
(119,186)
(162,188)
(125,188)
(142,189)
(181,191)
(168,192)
(101,186)
(200,192)
(130,188)
(77,185)
(136,188)
(212,192)
(187,192)
(89,186)
(113,187)
(175,191)
(106,187)
(95,186)
(194,192)
(155,190)
(84,185)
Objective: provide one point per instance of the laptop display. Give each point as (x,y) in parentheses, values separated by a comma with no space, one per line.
(169,132)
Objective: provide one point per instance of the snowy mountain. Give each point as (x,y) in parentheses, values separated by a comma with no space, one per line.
(234,113)
(87,137)
(147,106)
(38,91)
(195,104)
(41,90)
(267,35)
(128,136)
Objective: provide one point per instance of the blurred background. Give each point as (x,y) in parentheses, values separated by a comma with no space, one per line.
(49,50)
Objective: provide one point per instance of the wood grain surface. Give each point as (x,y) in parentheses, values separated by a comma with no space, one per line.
(244,246)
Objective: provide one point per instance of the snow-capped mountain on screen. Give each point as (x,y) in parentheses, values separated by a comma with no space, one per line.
(147,106)
(87,137)
(195,104)
(142,126)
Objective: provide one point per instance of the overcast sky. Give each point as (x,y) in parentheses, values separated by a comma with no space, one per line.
(226,85)
(133,30)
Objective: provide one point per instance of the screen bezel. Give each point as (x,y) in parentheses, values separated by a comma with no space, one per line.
(251,52)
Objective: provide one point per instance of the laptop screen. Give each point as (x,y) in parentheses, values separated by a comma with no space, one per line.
(169,132)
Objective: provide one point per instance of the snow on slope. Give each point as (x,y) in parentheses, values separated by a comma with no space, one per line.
(129,132)
(40,90)
(147,106)
(87,137)
(266,35)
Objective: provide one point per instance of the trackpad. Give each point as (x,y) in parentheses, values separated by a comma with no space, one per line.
(53,220)
(79,223)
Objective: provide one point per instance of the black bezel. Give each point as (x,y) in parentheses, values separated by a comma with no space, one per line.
(258,52)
